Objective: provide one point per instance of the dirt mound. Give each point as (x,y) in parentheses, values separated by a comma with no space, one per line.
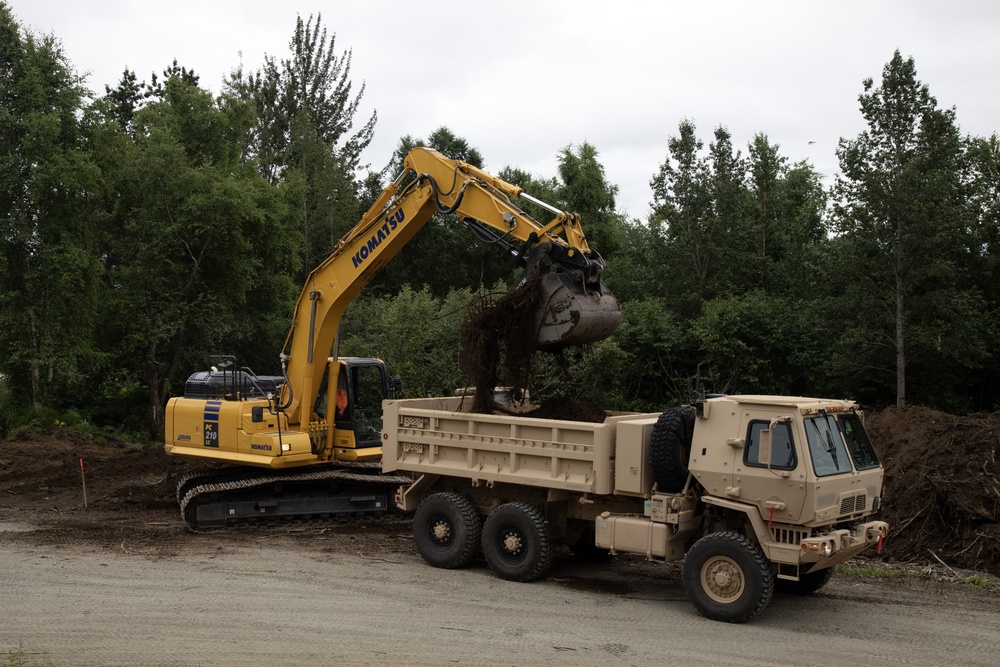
(44,470)
(569,410)
(942,486)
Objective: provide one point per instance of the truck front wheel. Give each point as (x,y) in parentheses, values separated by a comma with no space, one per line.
(447,530)
(516,542)
(727,577)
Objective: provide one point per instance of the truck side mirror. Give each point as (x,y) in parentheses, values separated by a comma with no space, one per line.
(395,386)
(764,448)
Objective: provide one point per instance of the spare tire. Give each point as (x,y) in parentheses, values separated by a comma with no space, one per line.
(670,448)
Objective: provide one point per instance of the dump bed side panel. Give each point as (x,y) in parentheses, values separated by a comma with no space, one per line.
(434,436)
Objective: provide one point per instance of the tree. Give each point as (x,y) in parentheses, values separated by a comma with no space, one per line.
(585,190)
(198,247)
(785,225)
(52,290)
(901,208)
(681,210)
(306,109)
(414,332)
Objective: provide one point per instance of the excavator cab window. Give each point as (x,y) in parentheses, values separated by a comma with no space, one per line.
(361,388)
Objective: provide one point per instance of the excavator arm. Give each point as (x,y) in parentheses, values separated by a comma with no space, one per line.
(576,306)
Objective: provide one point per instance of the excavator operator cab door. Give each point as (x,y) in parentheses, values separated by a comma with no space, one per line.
(361,386)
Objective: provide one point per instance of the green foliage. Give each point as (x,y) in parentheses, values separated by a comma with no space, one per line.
(48,266)
(305,112)
(585,190)
(902,209)
(414,332)
(198,248)
(748,343)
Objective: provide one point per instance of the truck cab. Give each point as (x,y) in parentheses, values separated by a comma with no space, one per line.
(800,461)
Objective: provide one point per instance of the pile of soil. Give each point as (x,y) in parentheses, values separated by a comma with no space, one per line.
(43,470)
(568,409)
(941,494)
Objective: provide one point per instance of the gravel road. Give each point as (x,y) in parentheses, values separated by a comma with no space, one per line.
(324,596)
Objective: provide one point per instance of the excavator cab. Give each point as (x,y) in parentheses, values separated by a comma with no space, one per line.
(362,384)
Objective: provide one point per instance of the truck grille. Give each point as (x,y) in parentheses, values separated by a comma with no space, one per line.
(853,504)
(788,535)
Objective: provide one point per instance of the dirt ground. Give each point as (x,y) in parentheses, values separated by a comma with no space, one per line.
(123,582)
(941,495)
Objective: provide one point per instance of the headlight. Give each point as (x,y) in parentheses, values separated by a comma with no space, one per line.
(821,548)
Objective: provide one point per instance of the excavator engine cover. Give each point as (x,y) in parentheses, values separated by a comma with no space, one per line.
(571,315)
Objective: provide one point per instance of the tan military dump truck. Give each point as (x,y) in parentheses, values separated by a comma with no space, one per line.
(753,492)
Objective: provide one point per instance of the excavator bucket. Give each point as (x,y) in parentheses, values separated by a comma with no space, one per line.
(570,315)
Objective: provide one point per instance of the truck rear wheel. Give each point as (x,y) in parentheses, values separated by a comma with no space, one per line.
(670,448)
(727,577)
(447,530)
(516,542)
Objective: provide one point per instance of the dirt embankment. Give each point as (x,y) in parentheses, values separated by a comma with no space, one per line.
(942,486)
(941,495)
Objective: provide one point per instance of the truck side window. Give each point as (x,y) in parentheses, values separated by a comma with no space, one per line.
(782,448)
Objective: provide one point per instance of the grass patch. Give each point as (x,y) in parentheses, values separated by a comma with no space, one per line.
(875,570)
(878,571)
(20,657)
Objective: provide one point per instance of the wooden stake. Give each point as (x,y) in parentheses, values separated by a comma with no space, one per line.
(84,480)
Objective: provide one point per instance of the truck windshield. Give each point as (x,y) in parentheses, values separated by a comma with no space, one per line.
(826,447)
(857,441)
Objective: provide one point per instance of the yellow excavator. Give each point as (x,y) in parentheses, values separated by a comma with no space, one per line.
(308,442)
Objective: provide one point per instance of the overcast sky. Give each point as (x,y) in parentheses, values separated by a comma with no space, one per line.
(520,80)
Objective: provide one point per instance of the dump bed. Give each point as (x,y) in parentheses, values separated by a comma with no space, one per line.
(438,436)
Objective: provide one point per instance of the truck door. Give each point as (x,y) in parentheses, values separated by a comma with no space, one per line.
(776,487)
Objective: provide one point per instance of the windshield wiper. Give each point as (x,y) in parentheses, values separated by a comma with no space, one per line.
(831,450)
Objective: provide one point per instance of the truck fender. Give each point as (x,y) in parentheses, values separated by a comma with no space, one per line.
(760,529)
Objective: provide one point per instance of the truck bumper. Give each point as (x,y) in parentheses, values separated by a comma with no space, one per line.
(841,545)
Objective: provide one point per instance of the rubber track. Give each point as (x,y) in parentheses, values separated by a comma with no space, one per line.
(195,478)
(258,480)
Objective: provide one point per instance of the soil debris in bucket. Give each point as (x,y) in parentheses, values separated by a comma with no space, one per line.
(499,339)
